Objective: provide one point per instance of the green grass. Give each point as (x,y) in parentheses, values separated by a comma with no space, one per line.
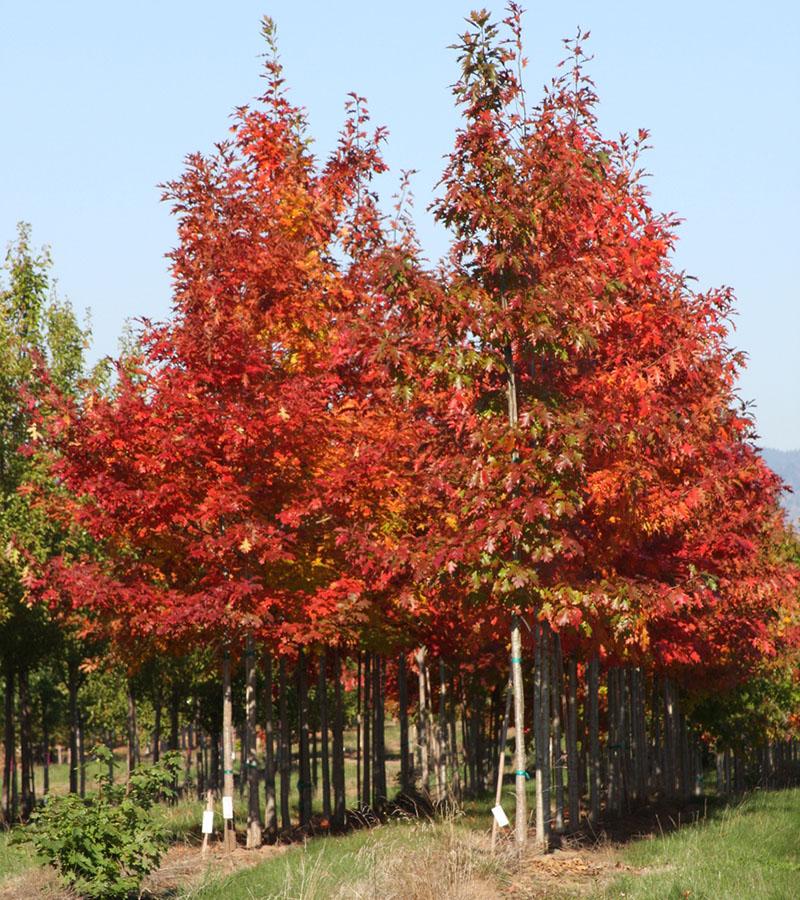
(421,859)
(15,857)
(748,850)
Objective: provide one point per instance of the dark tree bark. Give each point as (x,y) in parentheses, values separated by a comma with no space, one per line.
(366,779)
(402,689)
(304,781)
(28,792)
(73,683)
(133,731)
(254,826)
(10,751)
(270,815)
(285,746)
(322,703)
(339,796)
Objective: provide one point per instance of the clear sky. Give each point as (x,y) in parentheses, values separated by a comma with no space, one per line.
(100,102)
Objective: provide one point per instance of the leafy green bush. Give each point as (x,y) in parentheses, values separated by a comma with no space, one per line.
(103,845)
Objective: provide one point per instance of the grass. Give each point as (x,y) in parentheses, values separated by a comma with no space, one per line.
(424,860)
(750,849)
(747,850)
(15,857)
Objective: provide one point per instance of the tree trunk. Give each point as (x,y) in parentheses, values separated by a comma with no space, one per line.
(441,735)
(593,687)
(270,816)
(359,748)
(156,736)
(285,745)
(10,751)
(254,826)
(322,702)
(542,733)
(229,833)
(133,731)
(45,748)
(339,787)
(520,755)
(455,777)
(670,742)
(556,696)
(26,744)
(573,782)
(81,754)
(402,690)
(72,689)
(304,781)
(423,737)
(379,790)
(174,716)
(366,775)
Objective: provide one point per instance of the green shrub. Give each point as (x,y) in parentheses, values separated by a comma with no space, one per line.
(103,845)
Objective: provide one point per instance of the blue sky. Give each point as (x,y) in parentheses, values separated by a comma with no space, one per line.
(101,101)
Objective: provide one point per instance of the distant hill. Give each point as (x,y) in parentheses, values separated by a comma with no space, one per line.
(787,464)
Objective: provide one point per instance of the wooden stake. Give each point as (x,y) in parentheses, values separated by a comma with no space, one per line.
(501,760)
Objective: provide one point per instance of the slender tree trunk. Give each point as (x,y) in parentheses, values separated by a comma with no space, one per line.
(72,689)
(10,750)
(556,697)
(200,756)
(378,741)
(254,826)
(366,778)
(214,767)
(45,748)
(402,690)
(156,736)
(229,834)
(133,731)
(110,746)
(82,754)
(339,785)
(423,736)
(670,742)
(441,735)
(174,716)
(658,778)
(322,702)
(359,723)
(285,746)
(520,755)
(312,733)
(304,781)
(593,685)
(573,782)
(455,777)
(270,815)
(545,720)
(26,744)
(719,760)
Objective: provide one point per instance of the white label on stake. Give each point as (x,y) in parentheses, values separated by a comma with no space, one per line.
(227,807)
(208,821)
(500,816)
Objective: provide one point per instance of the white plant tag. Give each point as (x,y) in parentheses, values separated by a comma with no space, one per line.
(227,807)
(500,816)
(208,821)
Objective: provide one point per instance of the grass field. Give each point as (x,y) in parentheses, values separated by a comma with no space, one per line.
(748,849)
